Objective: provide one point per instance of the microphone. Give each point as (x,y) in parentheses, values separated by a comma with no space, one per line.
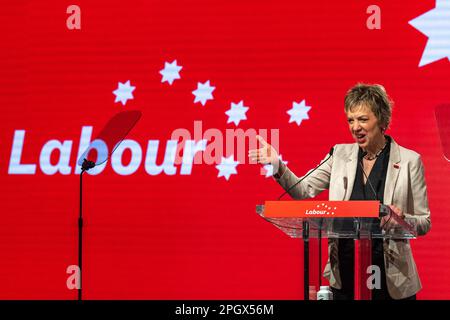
(291,187)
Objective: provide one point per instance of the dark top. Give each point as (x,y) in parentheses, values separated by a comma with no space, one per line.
(361,191)
(377,177)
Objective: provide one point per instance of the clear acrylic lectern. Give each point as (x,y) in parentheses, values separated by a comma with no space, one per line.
(313,220)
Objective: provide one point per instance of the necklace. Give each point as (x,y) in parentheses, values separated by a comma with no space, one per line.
(367,157)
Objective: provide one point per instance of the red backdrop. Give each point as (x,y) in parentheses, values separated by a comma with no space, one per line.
(196,236)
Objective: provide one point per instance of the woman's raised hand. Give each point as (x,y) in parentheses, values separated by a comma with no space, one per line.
(265,155)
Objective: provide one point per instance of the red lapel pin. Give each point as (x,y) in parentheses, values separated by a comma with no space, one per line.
(396,166)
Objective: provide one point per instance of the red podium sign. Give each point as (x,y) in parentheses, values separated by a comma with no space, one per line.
(321,209)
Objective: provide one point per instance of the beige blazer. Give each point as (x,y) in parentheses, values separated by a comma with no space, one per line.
(405,188)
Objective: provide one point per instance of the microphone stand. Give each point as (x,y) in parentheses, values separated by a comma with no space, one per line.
(84,167)
(110,137)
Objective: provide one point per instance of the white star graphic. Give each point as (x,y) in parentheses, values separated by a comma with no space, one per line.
(227,167)
(170,72)
(269,168)
(124,92)
(298,112)
(237,112)
(435,24)
(203,92)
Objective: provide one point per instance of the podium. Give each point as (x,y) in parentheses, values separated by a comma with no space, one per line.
(311,221)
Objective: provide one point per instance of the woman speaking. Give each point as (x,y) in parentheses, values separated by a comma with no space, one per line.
(375,167)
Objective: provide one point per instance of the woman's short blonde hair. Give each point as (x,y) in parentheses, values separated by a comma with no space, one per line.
(373,96)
